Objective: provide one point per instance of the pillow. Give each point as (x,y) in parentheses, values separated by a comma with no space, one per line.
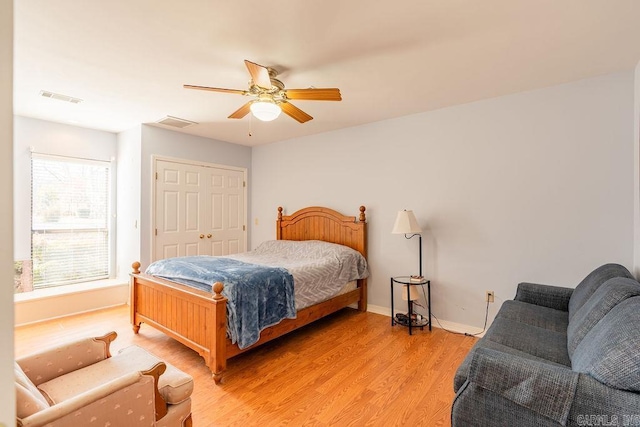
(609,352)
(351,265)
(606,297)
(589,284)
(304,248)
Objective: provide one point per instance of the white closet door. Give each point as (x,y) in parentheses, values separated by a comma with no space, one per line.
(226,216)
(199,210)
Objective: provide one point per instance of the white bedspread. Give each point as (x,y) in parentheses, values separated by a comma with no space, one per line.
(319,269)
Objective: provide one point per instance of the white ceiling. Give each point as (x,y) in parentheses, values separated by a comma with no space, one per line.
(128,59)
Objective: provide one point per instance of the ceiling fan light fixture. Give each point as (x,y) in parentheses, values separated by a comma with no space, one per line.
(265,110)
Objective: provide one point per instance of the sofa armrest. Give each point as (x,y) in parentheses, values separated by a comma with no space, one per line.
(545,389)
(123,401)
(52,362)
(555,297)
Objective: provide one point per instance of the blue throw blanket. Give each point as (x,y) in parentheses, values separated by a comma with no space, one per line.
(259,296)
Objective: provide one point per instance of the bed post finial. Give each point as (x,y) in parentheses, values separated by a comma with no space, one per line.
(217,290)
(363,217)
(279,213)
(136,267)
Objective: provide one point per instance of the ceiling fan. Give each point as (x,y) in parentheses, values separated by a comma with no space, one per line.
(270,96)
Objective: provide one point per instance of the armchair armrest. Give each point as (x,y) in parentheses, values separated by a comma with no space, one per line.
(122,401)
(50,363)
(545,389)
(555,297)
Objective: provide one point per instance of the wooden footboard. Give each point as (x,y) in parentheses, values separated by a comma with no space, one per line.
(198,319)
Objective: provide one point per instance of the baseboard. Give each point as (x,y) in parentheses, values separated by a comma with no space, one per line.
(458,328)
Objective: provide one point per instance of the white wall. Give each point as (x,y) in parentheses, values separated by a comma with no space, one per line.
(7,397)
(636,171)
(64,140)
(128,193)
(535,186)
(162,142)
(49,138)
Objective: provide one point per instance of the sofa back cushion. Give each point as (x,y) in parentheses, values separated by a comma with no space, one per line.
(28,399)
(607,296)
(593,281)
(609,351)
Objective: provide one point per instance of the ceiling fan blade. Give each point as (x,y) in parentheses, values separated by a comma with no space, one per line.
(242,111)
(217,89)
(313,94)
(259,74)
(294,112)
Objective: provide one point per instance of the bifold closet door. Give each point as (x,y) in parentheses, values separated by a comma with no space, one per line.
(199,210)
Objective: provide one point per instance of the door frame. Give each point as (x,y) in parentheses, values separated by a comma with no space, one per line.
(154,171)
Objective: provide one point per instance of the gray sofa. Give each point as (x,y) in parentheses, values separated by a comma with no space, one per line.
(557,357)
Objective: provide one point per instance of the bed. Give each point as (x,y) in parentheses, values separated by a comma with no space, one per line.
(198,318)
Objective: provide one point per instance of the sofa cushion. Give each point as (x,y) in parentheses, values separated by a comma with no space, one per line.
(607,296)
(174,385)
(539,342)
(535,315)
(609,351)
(593,281)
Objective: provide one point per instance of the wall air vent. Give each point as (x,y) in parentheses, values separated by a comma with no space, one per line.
(175,122)
(59,97)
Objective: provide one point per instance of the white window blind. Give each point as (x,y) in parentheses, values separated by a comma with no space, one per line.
(69,220)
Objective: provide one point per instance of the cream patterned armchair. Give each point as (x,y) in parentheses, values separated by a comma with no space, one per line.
(80,384)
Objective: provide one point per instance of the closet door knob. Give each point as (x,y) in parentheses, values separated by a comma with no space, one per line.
(209,236)
(202,236)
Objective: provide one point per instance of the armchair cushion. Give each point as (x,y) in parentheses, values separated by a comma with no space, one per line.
(174,385)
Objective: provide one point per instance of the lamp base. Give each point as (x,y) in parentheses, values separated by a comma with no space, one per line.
(417,320)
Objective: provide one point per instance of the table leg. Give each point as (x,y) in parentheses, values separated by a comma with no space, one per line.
(429,302)
(410,306)
(393,321)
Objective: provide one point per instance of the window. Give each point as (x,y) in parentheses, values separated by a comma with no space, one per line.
(70,219)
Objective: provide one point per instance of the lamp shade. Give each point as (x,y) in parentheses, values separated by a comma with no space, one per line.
(406,223)
(265,110)
(413,292)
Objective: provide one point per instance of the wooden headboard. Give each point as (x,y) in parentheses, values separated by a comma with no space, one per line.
(318,223)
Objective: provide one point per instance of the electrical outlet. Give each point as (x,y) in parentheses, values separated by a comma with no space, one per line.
(490,296)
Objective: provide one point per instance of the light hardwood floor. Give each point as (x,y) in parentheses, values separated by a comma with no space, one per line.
(349,369)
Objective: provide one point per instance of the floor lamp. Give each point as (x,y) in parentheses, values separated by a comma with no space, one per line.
(407,224)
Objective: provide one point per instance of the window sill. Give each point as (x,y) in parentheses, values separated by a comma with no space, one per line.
(67,290)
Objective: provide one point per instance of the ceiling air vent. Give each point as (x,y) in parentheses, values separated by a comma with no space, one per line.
(59,97)
(175,122)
